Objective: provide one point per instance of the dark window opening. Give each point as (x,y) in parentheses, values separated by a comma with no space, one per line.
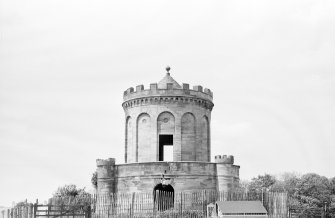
(164,141)
(163,197)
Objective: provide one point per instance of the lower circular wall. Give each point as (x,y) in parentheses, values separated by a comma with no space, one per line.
(183,176)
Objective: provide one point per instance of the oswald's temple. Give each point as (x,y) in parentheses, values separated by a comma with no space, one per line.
(167,141)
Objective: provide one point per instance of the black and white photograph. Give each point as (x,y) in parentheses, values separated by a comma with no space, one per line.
(167,109)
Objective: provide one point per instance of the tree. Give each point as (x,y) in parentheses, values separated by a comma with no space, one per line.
(71,196)
(70,191)
(262,182)
(22,204)
(313,192)
(243,186)
(287,182)
(309,193)
(332,184)
(94,179)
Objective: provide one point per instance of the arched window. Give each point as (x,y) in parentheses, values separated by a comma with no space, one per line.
(166,129)
(143,138)
(203,152)
(188,151)
(163,197)
(128,141)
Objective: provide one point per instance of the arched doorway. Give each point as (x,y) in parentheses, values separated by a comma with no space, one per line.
(163,197)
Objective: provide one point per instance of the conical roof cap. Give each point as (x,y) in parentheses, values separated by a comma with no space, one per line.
(168,79)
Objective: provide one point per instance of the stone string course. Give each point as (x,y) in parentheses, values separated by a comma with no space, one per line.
(137,102)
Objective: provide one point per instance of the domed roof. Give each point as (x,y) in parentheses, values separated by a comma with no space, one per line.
(168,79)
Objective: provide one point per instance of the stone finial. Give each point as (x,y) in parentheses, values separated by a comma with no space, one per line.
(168,68)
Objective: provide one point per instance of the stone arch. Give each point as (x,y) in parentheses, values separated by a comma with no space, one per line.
(204,139)
(163,196)
(129,140)
(143,137)
(166,123)
(188,137)
(165,136)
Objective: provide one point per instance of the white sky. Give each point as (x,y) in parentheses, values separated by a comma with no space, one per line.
(64,66)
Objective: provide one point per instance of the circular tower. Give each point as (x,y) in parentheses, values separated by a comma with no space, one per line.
(167,143)
(167,122)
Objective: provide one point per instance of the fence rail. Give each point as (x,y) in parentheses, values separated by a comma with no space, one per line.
(157,204)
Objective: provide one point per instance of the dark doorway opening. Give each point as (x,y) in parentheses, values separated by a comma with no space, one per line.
(163,197)
(165,140)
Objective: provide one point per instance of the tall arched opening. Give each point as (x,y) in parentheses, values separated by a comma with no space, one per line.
(163,197)
(203,152)
(166,131)
(143,138)
(188,137)
(128,141)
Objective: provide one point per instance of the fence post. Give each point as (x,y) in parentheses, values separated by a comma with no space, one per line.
(181,203)
(158,203)
(48,211)
(203,202)
(132,205)
(61,209)
(35,208)
(289,213)
(31,210)
(89,211)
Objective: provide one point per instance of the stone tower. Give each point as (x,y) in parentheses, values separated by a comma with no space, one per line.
(167,137)
(168,120)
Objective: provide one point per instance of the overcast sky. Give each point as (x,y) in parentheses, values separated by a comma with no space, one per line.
(64,66)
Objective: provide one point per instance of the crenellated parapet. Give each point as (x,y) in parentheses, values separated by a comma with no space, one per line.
(224,159)
(105,162)
(140,96)
(139,91)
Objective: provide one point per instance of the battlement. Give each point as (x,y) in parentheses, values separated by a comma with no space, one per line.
(106,162)
(170,90)
(224,159)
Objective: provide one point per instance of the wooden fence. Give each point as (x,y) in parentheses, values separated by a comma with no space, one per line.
(135,205)
(22,211)
(47,211)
